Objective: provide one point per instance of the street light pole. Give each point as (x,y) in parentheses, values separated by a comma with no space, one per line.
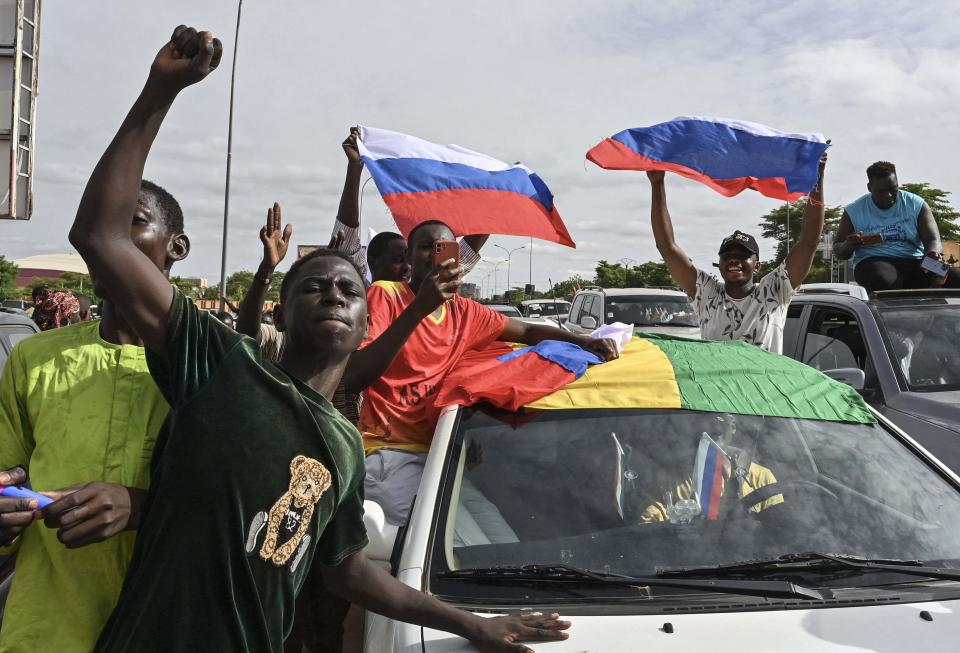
(509,254)
(530,269)
(495,268)
(226,189)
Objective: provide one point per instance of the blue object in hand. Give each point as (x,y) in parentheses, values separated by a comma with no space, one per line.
(21,492)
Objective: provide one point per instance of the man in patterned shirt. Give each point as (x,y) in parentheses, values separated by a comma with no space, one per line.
(738,308)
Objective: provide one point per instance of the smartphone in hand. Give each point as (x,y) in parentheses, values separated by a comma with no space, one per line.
(871,239)
(936,266)
(444,250)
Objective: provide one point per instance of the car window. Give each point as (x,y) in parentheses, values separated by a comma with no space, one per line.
(922,341)
(650,310)
(791,327)
(546,308)
(574,316)
(509,311)
(617,491)
(834,340)
(588,307)
(10,336)
(596,309)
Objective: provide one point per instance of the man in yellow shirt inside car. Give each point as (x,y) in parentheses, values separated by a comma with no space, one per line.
(79,414)
(736,472)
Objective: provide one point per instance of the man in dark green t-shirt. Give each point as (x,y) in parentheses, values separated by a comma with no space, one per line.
(255,476)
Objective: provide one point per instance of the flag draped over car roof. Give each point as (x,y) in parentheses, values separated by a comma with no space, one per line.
(658,371)
(727,155)
(470,192)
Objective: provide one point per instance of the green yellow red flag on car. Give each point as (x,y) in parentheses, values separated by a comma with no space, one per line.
(656,371)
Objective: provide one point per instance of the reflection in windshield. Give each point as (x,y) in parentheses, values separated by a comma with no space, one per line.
(923,343)
(653,310)
(612,490)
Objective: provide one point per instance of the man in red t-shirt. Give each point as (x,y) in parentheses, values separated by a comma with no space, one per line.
(418,332)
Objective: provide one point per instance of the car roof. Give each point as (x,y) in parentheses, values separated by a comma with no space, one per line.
(496,306)
(884,297)
(544,301)
(12,317)
(616,292)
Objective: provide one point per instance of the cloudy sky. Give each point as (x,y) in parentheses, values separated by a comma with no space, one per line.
(535,81)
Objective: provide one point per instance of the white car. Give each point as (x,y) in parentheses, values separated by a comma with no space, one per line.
(649,310)
(841,537)
(555,310)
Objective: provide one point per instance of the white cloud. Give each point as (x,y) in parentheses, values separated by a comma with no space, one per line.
(535,81)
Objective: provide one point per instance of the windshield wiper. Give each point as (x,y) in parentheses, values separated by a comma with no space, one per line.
(812,562)
(566,573)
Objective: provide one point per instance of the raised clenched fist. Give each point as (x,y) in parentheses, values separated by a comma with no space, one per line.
(186,59)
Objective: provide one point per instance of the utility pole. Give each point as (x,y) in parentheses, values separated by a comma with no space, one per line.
(226,190)
(509,254)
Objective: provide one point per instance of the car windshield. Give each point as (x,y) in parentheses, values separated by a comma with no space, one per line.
(922,341)
(620,491)
(509,311)
(546,308)
(651,310)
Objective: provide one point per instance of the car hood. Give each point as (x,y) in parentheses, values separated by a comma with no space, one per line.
(880,628)
(940,408)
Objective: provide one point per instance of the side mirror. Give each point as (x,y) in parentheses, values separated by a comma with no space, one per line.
(588,322)
(380,534)
(852,376)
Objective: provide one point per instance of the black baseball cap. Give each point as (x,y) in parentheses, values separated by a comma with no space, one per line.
(740,239)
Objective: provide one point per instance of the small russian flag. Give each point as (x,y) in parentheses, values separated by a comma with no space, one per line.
(708,476)
(727,155)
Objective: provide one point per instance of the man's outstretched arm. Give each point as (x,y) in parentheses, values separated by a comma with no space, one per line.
(370,363)
(678,263)
(801,256)
(364,583)
(532,334)
(348,213)
(101,230)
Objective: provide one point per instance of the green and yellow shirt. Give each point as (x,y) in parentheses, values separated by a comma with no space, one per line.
(73,408)
(255,477)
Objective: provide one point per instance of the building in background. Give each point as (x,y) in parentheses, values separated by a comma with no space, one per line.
(48,266)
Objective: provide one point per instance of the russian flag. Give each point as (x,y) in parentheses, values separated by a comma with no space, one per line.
(470,192)
(726,155)
(509,379)
(708,476)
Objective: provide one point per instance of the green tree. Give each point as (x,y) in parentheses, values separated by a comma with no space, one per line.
(78,283)
(945,215)
(774,226)
(8,279)
(651,273)
(567,289)
(186,287)
(238,284)
(610,275)
(273,294)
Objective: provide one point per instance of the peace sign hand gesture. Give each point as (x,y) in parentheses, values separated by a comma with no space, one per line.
(275,242)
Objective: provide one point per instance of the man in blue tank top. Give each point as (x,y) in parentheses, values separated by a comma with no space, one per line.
(887,232)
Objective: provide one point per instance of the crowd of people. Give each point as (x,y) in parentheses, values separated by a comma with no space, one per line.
(171,529)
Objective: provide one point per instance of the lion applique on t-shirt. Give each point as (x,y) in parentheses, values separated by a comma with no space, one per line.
(288,522)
